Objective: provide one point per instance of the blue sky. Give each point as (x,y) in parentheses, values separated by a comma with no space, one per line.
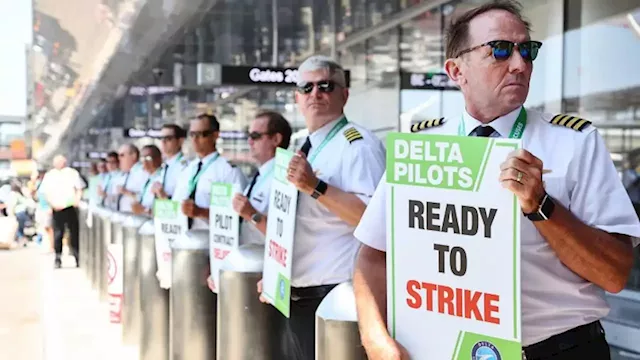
(15,34)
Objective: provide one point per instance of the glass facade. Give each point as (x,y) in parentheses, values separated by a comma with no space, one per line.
(587,66)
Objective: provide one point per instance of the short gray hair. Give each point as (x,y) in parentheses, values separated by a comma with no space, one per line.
(320,62)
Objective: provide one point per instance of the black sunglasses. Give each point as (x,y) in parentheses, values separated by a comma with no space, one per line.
(167,138)
(254,135)
(502,49)
(196,134)
(325,86)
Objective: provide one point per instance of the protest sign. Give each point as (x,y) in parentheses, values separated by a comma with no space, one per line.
(224,225)
(170,224)
(281,222)
(453,260)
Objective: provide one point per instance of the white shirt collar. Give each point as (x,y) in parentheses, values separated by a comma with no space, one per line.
(318,136)
(502,125)
(266,167)
(173,159)
(208,157)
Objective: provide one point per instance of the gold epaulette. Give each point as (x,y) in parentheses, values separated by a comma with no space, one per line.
(426,124)
(351,134)
(571,122)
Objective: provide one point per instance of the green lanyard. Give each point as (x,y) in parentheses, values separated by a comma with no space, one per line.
(516,130)
(337,127)
(194,179)
(146,185)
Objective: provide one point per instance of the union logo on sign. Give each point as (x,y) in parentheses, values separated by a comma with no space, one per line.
(484,350)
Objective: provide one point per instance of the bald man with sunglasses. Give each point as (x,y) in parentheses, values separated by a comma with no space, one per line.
(578,226)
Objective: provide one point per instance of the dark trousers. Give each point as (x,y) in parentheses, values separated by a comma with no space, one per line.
(299,330)
(67,217)
(584,342)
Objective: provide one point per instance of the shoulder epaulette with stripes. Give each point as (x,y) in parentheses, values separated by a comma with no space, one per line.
(571,122)
(351,134)
(426,124)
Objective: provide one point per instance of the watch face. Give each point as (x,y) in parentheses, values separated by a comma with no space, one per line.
(255,218)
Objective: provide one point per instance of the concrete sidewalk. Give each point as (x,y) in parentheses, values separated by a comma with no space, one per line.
(48,314)
(21,311)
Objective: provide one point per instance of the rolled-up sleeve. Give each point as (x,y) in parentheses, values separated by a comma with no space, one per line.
(365,164)
(372,229)
(598,197)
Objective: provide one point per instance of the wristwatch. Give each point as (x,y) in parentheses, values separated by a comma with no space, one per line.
(256,218)
(545,209)
(320,189)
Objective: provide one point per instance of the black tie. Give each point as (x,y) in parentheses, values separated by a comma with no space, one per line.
(484,131)
(253,183)
(192,196)
(124,187)
(306,147)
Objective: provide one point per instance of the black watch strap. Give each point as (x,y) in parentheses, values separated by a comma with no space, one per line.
(320,189)
(545,209)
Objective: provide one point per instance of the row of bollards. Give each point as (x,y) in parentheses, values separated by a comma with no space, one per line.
(119,257)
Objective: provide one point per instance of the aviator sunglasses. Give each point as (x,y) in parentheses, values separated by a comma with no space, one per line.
(325,86)
(502,49)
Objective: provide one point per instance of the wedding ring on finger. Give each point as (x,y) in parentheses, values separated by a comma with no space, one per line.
(519,177)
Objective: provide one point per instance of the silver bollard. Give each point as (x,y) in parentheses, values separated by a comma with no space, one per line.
(131,280)
(83,237)
(114,267)
(245,325)
(102,254)
(193,305)
(96,238)
(337,334)
(154,300)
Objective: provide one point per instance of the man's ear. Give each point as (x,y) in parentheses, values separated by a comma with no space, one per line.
(454,70)
(277,139)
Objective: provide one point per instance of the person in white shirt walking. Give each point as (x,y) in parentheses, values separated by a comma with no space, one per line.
(62,187)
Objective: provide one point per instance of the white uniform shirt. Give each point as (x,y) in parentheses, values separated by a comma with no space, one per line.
(146,195)
(584,180)
(172,168)
(324,247)
(60,186)
(218,171)
(132,181)
(259,199)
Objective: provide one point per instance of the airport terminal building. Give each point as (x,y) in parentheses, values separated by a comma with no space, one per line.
(106,70)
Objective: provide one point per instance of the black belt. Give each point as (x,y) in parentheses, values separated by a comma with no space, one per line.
(564,341)
(311,292)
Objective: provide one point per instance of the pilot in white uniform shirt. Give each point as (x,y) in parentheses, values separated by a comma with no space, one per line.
(172,168)
(132,181)
(146,196)
(215,168)
(324,247)
(583,179)
(106,184)
(259,199)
